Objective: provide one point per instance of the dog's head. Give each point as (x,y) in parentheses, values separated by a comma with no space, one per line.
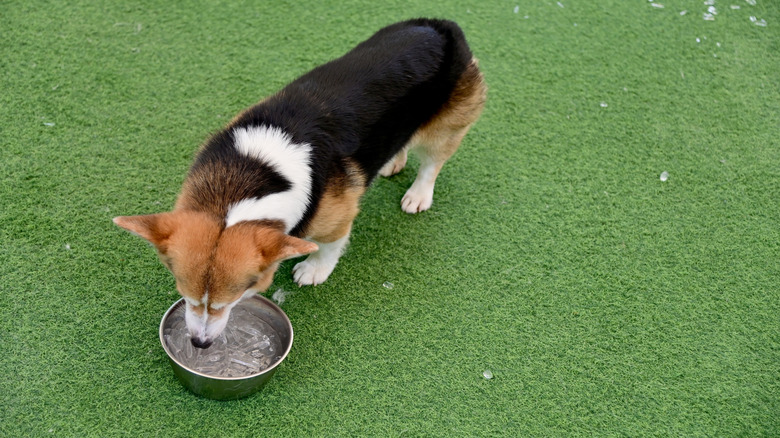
(215,267)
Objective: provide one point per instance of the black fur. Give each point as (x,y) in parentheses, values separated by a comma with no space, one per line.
(364,106)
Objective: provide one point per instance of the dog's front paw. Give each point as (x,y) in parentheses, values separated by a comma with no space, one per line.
(312,272)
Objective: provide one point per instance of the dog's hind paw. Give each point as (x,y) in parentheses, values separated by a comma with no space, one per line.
(416,200)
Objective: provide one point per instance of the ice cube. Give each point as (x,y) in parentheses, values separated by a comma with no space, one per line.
(249,330)
(265,343)
(217,357)
(758,22)
(189,350)
(245,347)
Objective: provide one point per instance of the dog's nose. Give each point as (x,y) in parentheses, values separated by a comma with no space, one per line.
(200,343)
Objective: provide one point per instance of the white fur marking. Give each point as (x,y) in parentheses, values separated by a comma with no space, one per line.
(291,160)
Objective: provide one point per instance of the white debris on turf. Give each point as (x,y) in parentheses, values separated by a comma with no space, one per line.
(657,5)
(517,9)
(280,295)
(603,104)
(664,176)
(388,285)
(751,2)
(487,374)
(758,22)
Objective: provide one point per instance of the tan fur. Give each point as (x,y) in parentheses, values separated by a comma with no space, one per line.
(442,135)
(338,206)
(204,257)
(245,257)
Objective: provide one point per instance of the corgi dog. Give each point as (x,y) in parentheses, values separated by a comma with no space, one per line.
(285,177)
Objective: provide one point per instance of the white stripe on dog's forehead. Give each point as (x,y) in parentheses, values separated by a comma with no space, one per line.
(291,160)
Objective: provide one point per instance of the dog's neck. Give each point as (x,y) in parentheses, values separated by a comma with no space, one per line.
(291,160)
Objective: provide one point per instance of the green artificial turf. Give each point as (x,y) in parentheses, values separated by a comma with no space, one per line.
(605,301)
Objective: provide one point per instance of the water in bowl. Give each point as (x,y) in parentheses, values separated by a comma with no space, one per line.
(247,346)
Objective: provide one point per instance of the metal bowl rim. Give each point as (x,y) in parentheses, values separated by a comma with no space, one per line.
(273,365)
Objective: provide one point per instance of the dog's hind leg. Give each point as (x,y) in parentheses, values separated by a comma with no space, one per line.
(433,155)
(395,165)
(437,140)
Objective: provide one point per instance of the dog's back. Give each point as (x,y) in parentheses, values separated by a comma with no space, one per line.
(368,103)
(364,107)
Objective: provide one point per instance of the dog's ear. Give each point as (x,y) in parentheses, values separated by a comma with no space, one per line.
(275,245)
(156,228)
(294,247)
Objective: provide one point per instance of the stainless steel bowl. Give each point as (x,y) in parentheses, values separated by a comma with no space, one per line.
(229,388)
